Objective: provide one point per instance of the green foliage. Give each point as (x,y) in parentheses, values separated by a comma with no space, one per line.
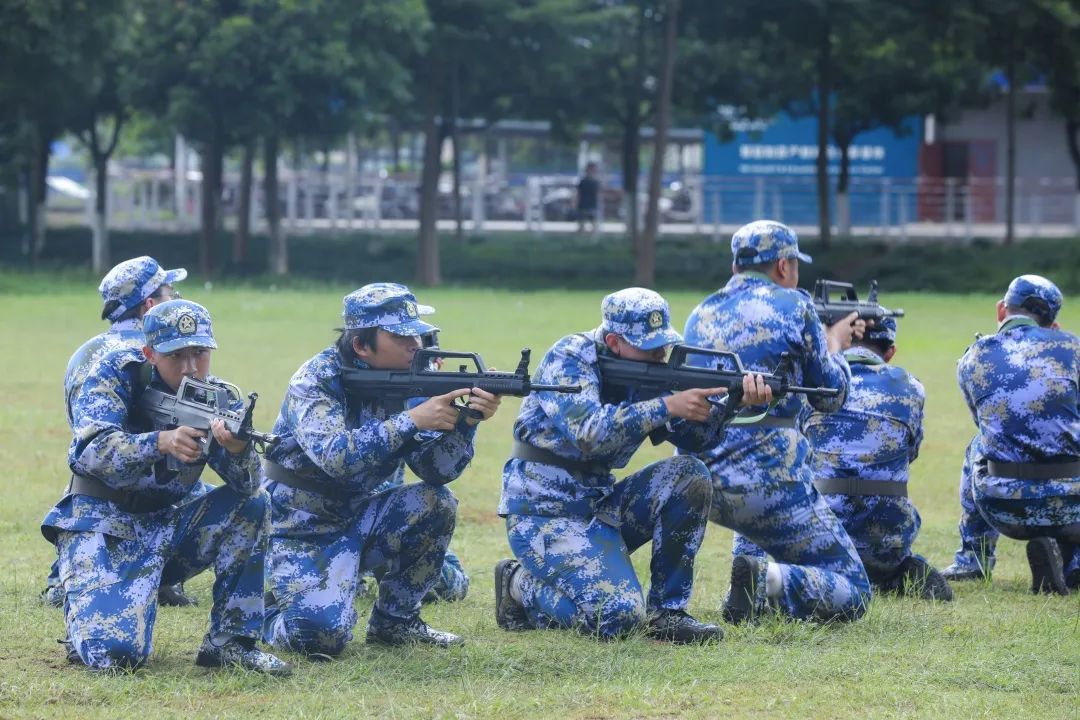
(569,261)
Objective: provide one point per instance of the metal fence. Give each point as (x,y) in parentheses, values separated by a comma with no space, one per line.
(900,208)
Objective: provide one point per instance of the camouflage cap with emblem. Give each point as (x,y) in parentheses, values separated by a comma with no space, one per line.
(178,324)
(390,306)
(1036,295)
(131,282)
(640,316)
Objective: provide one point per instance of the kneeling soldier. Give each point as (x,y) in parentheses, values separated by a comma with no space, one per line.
(571,526)
(128,522)
(1021,387)
(861,458)
(329,520)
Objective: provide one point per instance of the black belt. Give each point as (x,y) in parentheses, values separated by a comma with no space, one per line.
(858,486)
(1034,471)
(531,453)
(285,476)
(127,500)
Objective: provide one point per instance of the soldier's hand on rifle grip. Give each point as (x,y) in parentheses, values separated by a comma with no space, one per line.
(439,412)
(755,390)
(226,439)
(692,405)
(183,443)
(838,335)
(484,403)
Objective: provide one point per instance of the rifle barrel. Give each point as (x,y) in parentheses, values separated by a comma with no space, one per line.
(824,392)
(556,388)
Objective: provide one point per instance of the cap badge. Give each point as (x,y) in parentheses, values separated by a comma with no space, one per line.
(186,325)
(410,309)
(656,320)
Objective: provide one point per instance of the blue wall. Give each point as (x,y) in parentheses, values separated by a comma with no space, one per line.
(768,169)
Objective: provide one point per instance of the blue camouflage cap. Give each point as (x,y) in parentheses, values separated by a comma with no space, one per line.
(640,316)
(134,280)
(884,331)
(764,241)
(178,324)
(1035,294)
(390,306)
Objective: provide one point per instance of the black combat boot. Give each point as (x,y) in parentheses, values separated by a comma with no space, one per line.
(746,595)
(386,630)
(174,596)
(918,577)
(679,627)
(509,613)
(241,653)
(1047,567)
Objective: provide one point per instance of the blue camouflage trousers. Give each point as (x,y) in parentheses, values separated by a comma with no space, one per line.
(1034,512)
(881,527)
(111,583)
(399,535)
(978,539)
(199,489)
(577,571)
(823,575)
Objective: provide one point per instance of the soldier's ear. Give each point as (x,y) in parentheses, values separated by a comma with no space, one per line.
(889,354)
(612,342)
(148,353)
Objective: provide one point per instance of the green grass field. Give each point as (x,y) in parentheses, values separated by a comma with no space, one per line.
(997,651)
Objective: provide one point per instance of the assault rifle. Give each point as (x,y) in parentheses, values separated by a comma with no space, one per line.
(392,388)
(195,404)
(834,301)
(651,380)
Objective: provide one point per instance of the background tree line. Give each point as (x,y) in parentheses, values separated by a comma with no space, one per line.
(262,78)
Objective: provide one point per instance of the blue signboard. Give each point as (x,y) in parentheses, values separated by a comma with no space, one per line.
(768,168)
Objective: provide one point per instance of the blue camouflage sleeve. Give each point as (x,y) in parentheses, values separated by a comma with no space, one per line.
(443,456)
(964,389)
(594,427)
(819,367)
(242,471)
(916,421)
(350,455)
(101,445)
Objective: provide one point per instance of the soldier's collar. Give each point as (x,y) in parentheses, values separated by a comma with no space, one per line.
(132,324)
(1014,321)
(862,356)
(757,276)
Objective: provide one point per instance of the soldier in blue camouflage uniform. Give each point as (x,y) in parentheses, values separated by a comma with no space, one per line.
(861,458)
(1021,385)
(128,291)
(128,521)
(571,526)
(329,523)
(761,473)
(977,556)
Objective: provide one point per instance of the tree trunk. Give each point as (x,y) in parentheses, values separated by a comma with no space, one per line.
(212,158)
(395,147)
(39,170)
(1072,127)
(427,268)
(99,244)
(645,260)
(843,194)
(277,247)
(631,140)
(824,93)
(1010,141)
(243,222)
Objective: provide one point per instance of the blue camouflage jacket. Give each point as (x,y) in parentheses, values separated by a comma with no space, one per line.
(758,320)
(1020,385)
(592,426)
(877,433)
(115,444)
(123,334)
(353,450)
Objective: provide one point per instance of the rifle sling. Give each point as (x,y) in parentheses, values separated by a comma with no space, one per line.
(531,453)
(283,475)
(127,500)
(1034,471)
(858,486)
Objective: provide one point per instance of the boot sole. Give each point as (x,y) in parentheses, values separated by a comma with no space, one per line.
(211,661)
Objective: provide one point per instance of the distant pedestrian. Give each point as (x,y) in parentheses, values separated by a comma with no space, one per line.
(588,197)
